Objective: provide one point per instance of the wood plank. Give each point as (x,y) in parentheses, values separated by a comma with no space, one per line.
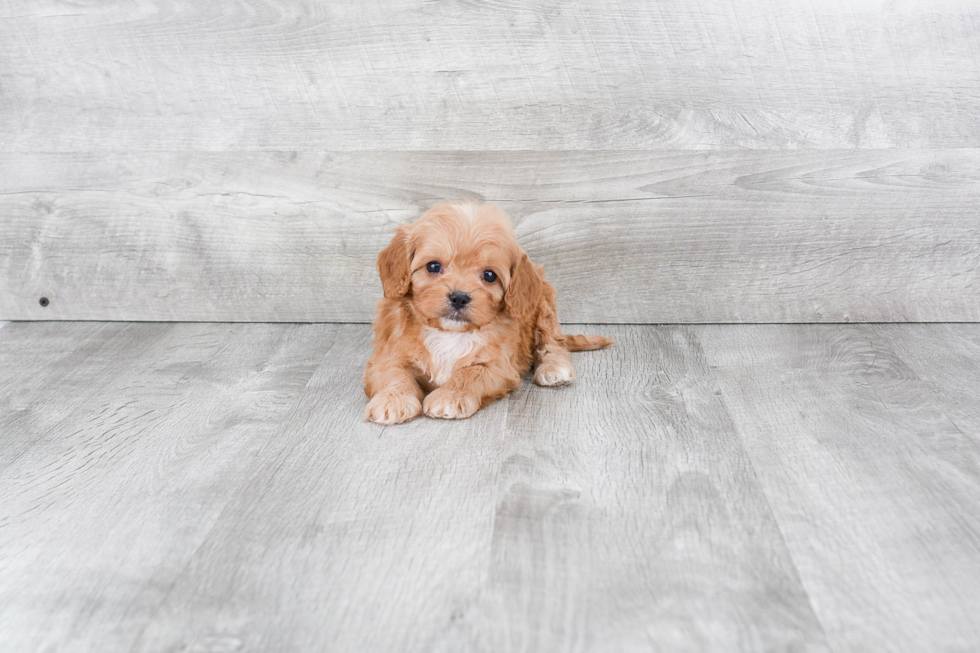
(946,357)
(349,536)
(502,75)
(625,236)
(873,486)
(211,486)
(47,374)
(626,506)
(130,465)
(223,495)
(24,355)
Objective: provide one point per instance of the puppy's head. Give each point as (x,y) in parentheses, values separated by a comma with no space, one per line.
(460,266)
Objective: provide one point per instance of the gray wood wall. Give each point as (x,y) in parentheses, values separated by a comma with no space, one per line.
(673,161)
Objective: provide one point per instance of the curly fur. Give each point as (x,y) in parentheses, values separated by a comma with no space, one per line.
(449,362)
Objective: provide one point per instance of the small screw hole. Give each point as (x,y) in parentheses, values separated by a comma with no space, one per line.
(44,301)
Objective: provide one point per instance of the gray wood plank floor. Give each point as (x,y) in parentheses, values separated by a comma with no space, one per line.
(205,487)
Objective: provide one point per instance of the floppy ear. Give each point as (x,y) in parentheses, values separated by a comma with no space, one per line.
(524,291)
(394,265)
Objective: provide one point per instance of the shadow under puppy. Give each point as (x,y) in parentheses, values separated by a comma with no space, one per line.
(464,315)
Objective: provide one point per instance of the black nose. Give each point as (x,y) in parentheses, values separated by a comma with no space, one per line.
(458,299)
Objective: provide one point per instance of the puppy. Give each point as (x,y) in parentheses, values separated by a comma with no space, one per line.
(464,315)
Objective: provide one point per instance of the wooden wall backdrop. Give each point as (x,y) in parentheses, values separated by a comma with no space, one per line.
(677,161)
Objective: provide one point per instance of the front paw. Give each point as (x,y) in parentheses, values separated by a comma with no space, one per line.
(387,408)
(444,404)
(552,372)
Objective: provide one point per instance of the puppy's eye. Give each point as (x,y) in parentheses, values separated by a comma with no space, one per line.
(489,276)
(434,267)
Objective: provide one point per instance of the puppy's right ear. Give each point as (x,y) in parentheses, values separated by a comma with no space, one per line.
(395,265)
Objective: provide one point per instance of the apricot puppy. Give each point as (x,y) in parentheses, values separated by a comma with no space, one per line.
(464,315)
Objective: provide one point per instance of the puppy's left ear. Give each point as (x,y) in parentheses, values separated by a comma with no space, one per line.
(524,291)
(395,265)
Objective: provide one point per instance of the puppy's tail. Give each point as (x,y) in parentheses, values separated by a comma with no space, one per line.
(586,343)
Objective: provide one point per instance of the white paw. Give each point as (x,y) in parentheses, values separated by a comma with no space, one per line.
(387,408)
(448,405)
(551,373)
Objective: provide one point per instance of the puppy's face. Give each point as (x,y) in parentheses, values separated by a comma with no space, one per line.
(457,264)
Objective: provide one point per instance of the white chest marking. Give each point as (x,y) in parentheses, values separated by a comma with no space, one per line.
(446,348)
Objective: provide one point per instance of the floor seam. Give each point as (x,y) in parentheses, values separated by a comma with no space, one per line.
(764,493)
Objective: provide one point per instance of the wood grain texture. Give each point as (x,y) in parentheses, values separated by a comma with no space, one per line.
(52,363)
(501,75)
(351,536)
(135,450)
(873,485)
(948,359)
(880,236)
(211,487)
(625,504)
(223,494)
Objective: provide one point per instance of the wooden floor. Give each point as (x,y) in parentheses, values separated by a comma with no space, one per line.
(210,487)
